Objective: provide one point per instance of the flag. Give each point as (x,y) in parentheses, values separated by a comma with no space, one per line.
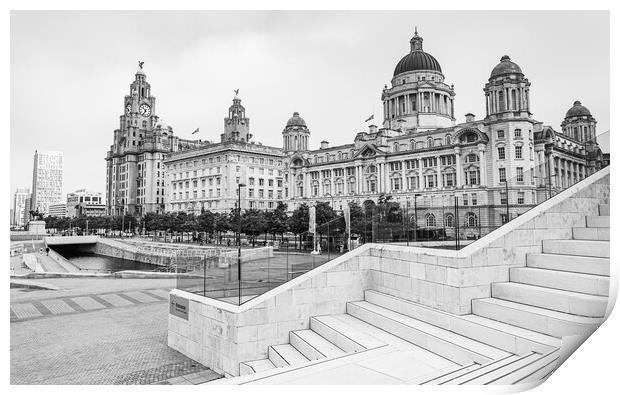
(196,131)
(370,118)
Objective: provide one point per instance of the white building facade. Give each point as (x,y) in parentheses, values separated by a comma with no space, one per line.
(82,201)
(421,151)
(20,211)
(208,177)
(46,180)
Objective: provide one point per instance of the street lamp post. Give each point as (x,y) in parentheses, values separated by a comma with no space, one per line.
(239,238)
(415,216)
(332,206)
(507,204)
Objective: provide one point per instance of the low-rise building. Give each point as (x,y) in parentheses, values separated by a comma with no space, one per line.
(57,210)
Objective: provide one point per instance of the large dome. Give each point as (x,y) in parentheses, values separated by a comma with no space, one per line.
(577,110)
(295,120)
(505,66)
(417,59)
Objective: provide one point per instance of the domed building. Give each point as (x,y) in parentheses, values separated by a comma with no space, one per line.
(579,124)
(295,134)
(418,99)
(421,151)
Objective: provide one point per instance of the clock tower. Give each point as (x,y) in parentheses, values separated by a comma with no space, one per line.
(135,174)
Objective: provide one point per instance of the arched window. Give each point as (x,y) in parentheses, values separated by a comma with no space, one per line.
(471,220)
(448,139)
(430,220)
(429,142)
(449,220)
(339,155)
(472,158)
(395,147)
(412,145)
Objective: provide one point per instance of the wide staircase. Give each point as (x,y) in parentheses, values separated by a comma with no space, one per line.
(512,337)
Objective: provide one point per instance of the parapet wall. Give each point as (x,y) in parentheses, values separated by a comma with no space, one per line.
(221,335)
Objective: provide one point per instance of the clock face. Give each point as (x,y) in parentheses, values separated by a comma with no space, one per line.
(145,110)
(128,109)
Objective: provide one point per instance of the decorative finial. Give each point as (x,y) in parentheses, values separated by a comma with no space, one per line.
(140,63)
(416,41)
(236,92)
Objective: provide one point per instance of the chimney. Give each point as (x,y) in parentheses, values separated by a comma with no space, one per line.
(469,117)
(324,144)
(372,129)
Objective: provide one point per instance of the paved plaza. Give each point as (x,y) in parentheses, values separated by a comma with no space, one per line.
(96,331)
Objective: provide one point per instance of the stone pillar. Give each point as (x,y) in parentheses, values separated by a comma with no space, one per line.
(459,178)
(438,183)
(402,176)
(483,165)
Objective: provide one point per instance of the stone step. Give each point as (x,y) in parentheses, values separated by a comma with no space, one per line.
(591,234)
(449,345)
(344,336)
(313,346)
(285,355)
(387,338)
(568,281)
(603,209)
(481,378)
(488,367)
(531,372)
(506,337)
(552,299)
(259,365)
(536,319)
(436,377)
(597,221)
(592,248)
(569,263)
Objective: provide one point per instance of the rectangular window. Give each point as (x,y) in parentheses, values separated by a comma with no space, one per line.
(520,197)
(500,134)
(519,174)
(465,200)
(519,152)
(501,153)
(395,184)
(503,198)
(474,199)
(502,174)
(517,133)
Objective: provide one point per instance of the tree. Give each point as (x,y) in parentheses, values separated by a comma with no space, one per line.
(277,220)
(253,223)
(299,220)
(222,223)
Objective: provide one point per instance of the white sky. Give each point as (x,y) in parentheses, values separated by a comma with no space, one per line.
(71,70)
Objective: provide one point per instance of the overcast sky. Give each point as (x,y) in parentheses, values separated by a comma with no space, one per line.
(71,70)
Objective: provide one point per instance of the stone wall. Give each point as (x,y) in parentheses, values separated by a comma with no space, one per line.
(220,335)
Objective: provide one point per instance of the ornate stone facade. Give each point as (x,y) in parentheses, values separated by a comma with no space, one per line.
(135,173)
(421,151)
(207,177)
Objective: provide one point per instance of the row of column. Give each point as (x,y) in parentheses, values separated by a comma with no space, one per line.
(560,172)
(295,142)
(419,102)
(383,178)
(511,99)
